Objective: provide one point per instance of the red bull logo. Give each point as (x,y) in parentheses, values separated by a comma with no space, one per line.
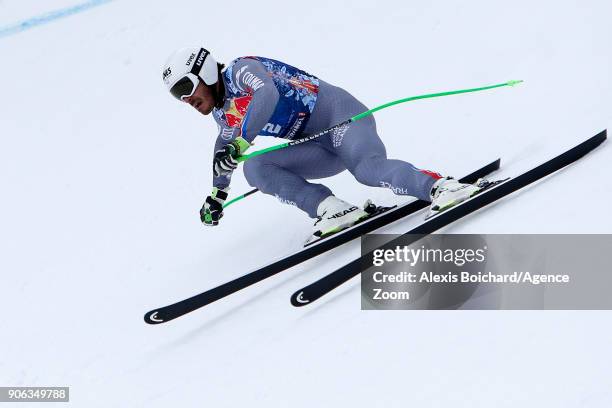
(236,111)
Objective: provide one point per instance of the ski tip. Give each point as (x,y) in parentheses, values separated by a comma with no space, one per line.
(152,317)
(298,299)
(514,82)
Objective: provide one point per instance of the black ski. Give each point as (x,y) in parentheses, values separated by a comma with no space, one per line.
(329,282)
(170,312)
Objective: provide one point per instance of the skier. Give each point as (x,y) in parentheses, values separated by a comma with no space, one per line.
(261,96)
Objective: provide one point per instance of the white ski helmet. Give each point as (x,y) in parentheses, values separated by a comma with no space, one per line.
(185,67)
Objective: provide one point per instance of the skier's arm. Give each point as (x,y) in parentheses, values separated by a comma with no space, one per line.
(251,76)
(220,181)
(212,210)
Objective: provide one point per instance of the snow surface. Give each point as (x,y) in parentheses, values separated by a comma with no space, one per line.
(103,174)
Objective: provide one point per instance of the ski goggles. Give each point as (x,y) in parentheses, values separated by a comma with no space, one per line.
(185,87)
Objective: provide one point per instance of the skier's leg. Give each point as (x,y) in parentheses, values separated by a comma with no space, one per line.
(360,148)
(283,174)
(365,156)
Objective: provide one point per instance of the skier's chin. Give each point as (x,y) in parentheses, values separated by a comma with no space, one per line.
(205,110)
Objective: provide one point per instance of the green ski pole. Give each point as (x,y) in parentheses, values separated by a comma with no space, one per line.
(356,118)
(367,113)
(240,197)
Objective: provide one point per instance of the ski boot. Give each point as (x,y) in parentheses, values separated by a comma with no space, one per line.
(335,215)
(448,192)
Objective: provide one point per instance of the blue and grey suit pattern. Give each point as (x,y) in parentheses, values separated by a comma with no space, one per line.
(270,98)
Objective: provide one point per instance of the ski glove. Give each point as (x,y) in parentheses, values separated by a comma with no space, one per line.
(225,161)
(212,210)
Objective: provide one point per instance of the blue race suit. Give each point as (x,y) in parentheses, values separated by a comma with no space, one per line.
(270,98)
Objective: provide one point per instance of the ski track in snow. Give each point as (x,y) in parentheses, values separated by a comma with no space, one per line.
(103,175)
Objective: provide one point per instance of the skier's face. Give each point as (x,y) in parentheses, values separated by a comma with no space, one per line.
(202,99)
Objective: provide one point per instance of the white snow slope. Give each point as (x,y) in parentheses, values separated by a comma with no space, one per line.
(103,174)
